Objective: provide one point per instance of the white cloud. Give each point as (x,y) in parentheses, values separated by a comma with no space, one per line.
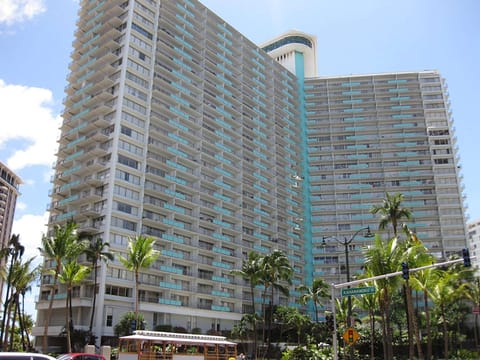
(12,11)
(31,228)
(27,115)
(20,205)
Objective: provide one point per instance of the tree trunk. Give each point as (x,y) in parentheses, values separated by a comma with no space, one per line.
(411,347)
(429,328)
(372,335)
(413,320)
(92,314)
(67,322)
(475,329)
(21,319)
(13,311)
(384,329)
(254,325)
(389,337)
(445,332)
(137,281)
(49,312)
(70,313)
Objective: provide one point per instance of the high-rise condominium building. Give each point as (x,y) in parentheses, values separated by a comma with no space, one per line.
(9,192)
(474,243)
(178,127)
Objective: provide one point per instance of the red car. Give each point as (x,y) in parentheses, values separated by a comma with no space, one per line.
(81,356)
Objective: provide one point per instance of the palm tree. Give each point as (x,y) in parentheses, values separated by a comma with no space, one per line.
(385,258)
(473,294)
(450,289)
(275,270)
(369,303)
(443,294)
(141,254)
(416,255)
(292,319)
(251,272)
(57,248)
(316,293)
(72,274)
(391,212)
(23,277)
(15,250)
(96,252)
(423,281)
(242,329)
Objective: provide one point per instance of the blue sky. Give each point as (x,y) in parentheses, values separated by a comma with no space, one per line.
(354,37)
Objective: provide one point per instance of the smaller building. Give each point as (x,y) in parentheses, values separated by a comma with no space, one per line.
(9,185)
(474,242)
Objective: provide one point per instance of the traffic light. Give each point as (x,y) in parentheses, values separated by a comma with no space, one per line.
(466,258)
(405,271)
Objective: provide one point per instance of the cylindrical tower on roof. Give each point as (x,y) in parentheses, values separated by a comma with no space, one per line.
(284,47)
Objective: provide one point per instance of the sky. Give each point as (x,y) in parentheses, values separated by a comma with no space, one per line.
(353,37)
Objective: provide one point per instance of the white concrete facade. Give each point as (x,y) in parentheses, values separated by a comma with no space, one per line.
(474,242)
(178,127)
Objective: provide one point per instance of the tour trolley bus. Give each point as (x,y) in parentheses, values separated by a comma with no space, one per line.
(155,345)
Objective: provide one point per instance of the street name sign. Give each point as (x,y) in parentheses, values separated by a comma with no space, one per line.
(359,291)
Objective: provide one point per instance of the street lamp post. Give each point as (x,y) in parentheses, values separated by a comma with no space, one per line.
(346,242)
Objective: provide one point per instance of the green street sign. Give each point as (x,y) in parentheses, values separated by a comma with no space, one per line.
(359,291)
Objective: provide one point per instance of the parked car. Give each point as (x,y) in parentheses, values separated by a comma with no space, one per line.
(80,356)
(24,356)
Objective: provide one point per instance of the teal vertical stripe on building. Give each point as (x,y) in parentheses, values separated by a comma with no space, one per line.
(307,226)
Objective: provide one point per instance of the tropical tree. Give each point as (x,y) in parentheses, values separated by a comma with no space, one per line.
(14,249)
(443,295)
(251,272)
(140,255)
(242,329)
(62,245)
(97,251)
(450,288)
(423,281)
(72,274)
(391,212)
(416,255)
(341,313)
(276,272)
(385,258)
(370,302)
(22,278)
(473,294)
(315,293)
(124,327)
(291,319)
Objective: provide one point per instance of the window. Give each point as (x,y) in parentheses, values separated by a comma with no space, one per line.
(137,80)
(126,208)
(133,120)
(124,224)
(135,92)
(134,106)
(123,175)
(127,161)
(142,31)
(117,291)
